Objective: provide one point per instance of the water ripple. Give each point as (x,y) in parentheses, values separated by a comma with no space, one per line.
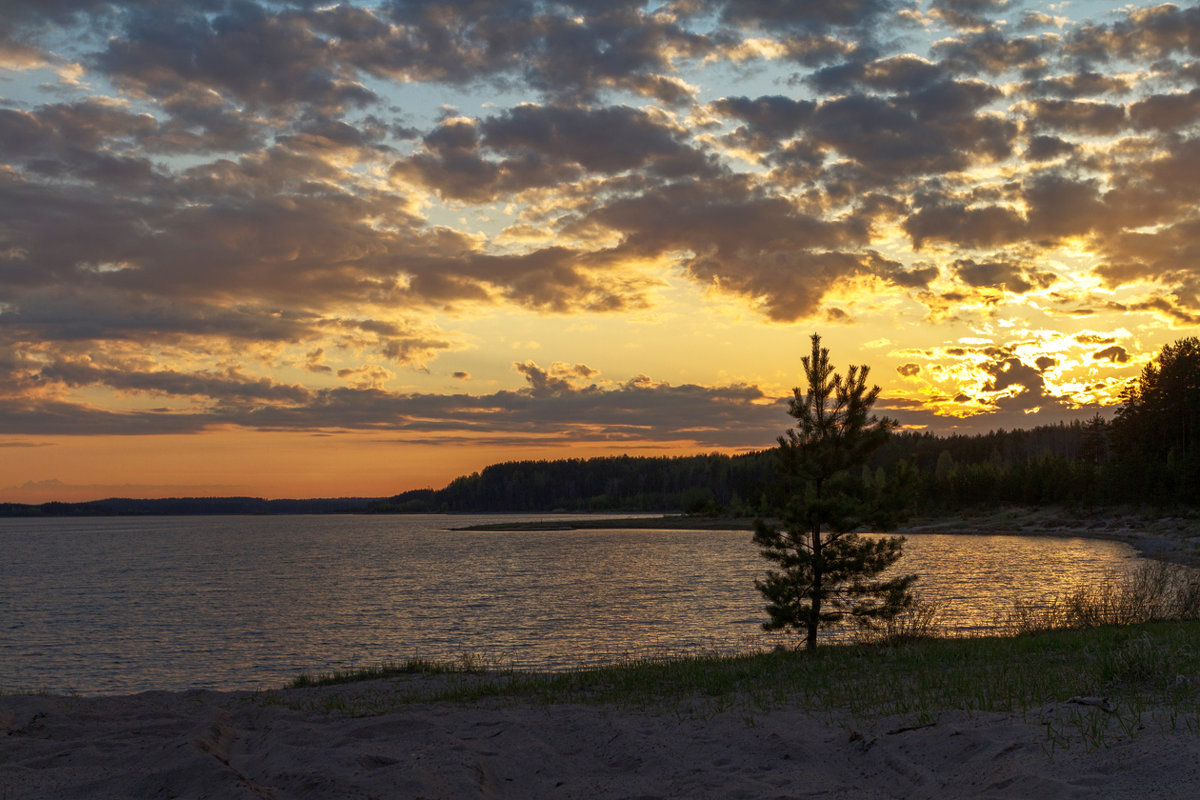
(128,604)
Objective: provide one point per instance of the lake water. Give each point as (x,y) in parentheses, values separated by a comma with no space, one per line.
(118,605)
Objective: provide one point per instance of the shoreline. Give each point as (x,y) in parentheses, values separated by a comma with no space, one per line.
(1167,537)
(414,736)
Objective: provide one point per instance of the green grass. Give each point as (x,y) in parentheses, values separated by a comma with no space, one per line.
(1137,667)
(390,669)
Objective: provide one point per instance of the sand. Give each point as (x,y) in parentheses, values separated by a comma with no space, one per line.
(248,745)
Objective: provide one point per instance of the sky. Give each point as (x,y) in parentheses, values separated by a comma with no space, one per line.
(298,249)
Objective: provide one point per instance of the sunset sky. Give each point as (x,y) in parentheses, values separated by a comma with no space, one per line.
(292,249)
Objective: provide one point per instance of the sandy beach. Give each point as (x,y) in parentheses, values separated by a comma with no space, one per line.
(289,745)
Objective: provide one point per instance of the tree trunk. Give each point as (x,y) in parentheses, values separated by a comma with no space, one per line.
(814,617)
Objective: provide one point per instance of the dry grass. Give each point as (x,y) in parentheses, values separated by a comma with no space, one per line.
(922,620)
(1151,592)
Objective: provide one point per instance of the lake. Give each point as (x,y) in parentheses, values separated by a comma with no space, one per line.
(124,604)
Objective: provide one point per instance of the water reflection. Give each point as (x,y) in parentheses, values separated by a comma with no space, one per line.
(118,605)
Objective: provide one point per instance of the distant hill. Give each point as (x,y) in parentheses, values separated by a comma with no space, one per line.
(125,506)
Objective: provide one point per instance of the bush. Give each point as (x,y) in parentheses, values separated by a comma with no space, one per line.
(919,621)
(1150,592)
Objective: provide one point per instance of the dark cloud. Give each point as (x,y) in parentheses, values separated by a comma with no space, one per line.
(732,236)
(918,278)
(991,52)
(1079,84)
(98,314)
(229,387)
(554,383)
(606,140)
(1012,372)
(1002,275)
(975,228)
(812,16)
(1078,117)
(909,370)
(266,57)
(246,53)
(1115,354)
(775,117)
(1170,254)
(550,405)
(562,51)
(1166,112)
(535,146)
(889,141)
(1058,206)
(968,14)
(1145,34)
(1046,148)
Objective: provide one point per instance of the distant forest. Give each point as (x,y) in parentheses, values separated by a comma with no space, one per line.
(1148,454)
(1058,464)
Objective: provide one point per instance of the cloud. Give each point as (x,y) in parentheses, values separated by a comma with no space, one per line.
(890,140)
(536,146)
(263,214)
(1143,34)
(992,52)
(1079,84)
(976,228)
(1004,275)
(560,401)
(1166,112)
(740,241)
(968,14)
(812,17)
(1082,118)
(1115,354)
(775,115)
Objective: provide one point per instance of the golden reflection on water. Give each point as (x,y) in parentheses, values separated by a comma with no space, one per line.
(117,605)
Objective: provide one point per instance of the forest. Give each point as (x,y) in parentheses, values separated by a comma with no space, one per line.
(1046,465)
(1147,454)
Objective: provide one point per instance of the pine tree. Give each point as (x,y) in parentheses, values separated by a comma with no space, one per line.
(826,573)
(1156,433)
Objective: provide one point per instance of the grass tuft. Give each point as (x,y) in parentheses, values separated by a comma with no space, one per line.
(412,666)
(1152,591)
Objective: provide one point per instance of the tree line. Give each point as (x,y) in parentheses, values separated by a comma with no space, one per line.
(1034,467)
(1147,453)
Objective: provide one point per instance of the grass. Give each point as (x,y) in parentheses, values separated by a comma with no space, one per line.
(389,669)
(1092,665)
(1136,667)
(1151,592)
